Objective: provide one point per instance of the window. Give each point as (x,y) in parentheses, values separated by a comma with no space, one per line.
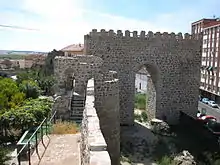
(203,58)
(205,32)
(139,85)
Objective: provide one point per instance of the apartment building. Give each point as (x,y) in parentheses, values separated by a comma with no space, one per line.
(210,64)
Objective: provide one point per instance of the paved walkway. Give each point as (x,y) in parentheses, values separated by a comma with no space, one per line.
(62,150)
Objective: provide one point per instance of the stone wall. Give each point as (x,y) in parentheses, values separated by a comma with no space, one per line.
(173,61)
(93,144)
(107,106)
(72,72)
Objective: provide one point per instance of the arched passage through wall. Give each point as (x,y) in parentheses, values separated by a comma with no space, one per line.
(69,78)
(145,97)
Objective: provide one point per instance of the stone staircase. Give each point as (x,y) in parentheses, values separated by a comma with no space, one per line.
(77,108)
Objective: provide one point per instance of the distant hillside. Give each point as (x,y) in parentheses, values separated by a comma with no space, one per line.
(14,54)
(5,52)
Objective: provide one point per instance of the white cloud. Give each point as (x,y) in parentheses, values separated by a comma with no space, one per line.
(63,22)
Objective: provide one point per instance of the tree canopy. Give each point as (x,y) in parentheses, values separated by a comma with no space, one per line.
(10,95)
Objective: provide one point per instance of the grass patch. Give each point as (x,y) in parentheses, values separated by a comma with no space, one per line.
(65,128)
(140,101)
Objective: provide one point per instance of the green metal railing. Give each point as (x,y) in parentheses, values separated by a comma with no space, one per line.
(33,142)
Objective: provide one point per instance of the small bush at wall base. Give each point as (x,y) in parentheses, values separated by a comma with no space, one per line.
(65,128)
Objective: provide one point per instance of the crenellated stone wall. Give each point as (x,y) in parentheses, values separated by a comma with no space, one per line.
(172,60)
(112,59)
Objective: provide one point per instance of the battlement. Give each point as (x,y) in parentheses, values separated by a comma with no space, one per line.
(142,34)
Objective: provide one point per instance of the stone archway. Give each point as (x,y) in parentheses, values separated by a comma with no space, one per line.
(152,88)
(80,68)
(176,57)
(106,94)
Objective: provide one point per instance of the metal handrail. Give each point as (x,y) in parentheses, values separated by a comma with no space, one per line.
(32,136)
(28,143)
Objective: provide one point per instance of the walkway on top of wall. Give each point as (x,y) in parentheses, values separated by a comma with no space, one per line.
(62,150)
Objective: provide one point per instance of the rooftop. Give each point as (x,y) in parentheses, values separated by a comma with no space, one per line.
(73,47)
(204,20)
(211,24)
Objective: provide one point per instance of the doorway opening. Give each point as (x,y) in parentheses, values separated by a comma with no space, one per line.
(145,94)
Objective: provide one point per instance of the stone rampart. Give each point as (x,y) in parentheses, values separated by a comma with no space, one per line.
(172,60)
(93,144)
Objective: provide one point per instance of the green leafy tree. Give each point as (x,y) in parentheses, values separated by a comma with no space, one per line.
(46,83)
(30,88)
(31,113)
(10,95)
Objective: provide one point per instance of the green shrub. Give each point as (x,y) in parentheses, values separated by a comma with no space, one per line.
(30,88)
(3,156)
(166,160)
(140,101)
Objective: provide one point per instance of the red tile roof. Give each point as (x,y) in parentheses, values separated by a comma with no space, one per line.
(209,24)
(204,20)
(73,47)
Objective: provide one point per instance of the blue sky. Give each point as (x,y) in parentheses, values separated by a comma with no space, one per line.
(58,23)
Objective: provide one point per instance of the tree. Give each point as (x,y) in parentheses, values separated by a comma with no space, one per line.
(31,113)
(30,88)
(47,84)
(10,95)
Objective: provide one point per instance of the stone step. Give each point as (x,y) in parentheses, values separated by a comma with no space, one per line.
(81,100)
(77,105)
(76,115)
(76,112)
(76,98)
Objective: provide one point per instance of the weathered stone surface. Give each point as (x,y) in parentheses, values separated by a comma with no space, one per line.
(185,158)
(160,127)
(172,61)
